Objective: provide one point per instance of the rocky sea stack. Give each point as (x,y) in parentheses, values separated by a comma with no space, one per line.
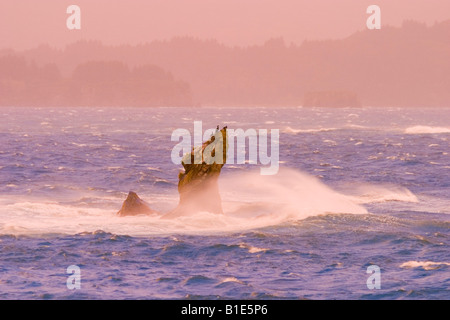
(134,205)
(197,183)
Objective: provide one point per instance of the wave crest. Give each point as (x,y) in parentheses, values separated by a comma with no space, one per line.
(426,130)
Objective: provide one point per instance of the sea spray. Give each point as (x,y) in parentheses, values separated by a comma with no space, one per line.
(250,201)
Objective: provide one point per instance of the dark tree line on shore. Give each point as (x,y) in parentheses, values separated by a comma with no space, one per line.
(93,83)
(404,66)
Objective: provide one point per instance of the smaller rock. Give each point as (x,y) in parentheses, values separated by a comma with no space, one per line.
(134,205)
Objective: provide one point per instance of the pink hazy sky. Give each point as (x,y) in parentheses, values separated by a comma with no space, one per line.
(28,23)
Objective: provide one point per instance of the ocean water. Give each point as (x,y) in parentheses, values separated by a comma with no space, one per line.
(356,188)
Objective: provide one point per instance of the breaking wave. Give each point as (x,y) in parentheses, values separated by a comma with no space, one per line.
(290,130)
(426,265)
(250,201)
(426,130)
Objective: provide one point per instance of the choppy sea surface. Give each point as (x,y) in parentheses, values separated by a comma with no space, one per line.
(356,188)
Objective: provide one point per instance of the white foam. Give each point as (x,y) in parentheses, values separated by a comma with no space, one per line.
(426,265)
(426,130)
(250,201)
(290,130)
(114,168)
(252,249)
(368,193)
(231,279)
(80,145)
